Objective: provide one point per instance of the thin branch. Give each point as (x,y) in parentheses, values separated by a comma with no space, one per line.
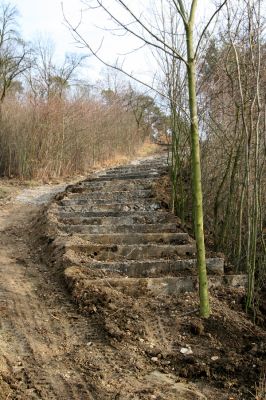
(182,11)
(138,21)
(77,36)
(183,16)
(207,26)
(133,51)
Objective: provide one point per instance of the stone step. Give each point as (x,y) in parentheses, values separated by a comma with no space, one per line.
(158,159)
(121,177)
(136,170)
(155,164)
(114,196)
(149,268)
(117,252)
(163,286)
(150,165)
(141,167)
(115,218)
(94,207)
(66,212)
(124,228)
(107,186)
(137,238)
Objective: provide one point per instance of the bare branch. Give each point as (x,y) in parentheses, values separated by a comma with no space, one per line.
(165,47)
(78,36)
(207,26)
(182,10)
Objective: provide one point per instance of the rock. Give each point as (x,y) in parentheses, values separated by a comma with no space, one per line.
(153,352)
(160,378)
(112,307)
(214,358)
(186,350)
(197,327)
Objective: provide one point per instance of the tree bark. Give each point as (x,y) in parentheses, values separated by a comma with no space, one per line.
(196,175)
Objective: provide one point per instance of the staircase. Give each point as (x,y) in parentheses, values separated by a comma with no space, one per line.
(113,228)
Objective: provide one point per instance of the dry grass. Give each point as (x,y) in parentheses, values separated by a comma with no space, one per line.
(148,148)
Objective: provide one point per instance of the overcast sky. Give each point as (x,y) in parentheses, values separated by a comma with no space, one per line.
(45,17)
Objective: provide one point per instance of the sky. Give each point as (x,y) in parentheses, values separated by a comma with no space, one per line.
(45,18)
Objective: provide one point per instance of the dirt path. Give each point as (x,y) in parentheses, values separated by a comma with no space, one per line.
(40,332)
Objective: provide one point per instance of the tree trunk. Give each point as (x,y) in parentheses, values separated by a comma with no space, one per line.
(196,176)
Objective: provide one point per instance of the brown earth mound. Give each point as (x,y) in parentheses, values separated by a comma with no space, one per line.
(222,355)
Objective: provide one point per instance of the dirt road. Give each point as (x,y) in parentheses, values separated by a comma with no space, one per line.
(40,333)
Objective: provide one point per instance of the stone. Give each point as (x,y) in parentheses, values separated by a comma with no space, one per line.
(186,350)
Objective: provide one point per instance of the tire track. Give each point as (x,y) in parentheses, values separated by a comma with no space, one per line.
(38,339)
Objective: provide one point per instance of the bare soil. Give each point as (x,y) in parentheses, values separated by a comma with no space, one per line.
(100,343)
(39,327)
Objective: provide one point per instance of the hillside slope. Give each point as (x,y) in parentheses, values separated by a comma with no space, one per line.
(132,272)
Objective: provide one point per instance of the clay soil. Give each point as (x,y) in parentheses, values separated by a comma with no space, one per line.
(62,337)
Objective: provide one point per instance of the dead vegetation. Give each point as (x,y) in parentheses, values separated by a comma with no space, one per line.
(63,138)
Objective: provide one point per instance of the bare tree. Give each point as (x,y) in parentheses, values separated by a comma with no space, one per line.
(172,82)
(46,78)
(14,53)
(235,104)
